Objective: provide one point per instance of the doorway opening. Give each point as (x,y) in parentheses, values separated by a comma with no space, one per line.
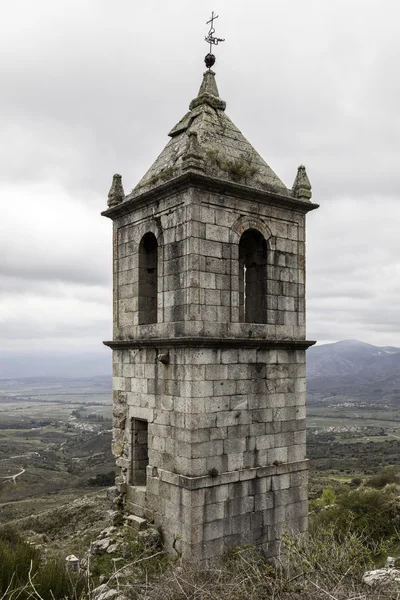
(139,451)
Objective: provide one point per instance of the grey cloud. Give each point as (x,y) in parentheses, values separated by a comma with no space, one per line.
(48,235)
(353,269)
(48,317)
(31,272)
(19,286)
(84,97)
(355,291)
(28,331)
(103,93)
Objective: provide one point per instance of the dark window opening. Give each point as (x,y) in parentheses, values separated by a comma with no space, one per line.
(148,279)
(253,278)
(140,451)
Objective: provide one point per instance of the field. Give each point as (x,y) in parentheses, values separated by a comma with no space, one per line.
(349,440)
(55,438)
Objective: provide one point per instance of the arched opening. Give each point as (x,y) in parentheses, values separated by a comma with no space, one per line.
(253,277)
(148,279)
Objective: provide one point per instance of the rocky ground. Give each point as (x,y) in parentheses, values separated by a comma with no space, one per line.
(69,528)
(123,562)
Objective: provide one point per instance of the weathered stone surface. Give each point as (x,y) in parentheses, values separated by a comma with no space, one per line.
(137,523)
(116,193)
(382,577)
(112,493)
(100,546)
(224,151)
(103,592)
(116,516)
(150,536)
(72,562)
(302,186)
(209,396)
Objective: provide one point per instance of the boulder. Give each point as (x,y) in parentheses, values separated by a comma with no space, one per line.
(99,546)
(103,592)
(390,562)
(150,536)
(112,493)
(382,577)
(72,562)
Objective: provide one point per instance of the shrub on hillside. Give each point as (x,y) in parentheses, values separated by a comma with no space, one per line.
(102,479)
(356,482)
(328,496)
(370,513)
(386,476)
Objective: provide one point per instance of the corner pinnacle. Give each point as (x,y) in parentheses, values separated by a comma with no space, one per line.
(302,186)
(116,194)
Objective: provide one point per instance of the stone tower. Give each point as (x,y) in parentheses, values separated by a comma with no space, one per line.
(209,341)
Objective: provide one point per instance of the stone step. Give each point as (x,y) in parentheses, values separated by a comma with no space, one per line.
(137,523)
(135,509)
(136,494)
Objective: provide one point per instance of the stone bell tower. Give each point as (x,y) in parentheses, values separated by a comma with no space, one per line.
(209,340)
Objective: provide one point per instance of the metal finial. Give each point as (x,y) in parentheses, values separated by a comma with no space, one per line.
(210,39)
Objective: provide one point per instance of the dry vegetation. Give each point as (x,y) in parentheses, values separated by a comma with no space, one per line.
(317,569)
(350,533)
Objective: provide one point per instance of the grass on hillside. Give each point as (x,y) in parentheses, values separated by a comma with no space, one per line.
(317,568)
(352,530)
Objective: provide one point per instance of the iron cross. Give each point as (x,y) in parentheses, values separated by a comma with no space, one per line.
(210,39)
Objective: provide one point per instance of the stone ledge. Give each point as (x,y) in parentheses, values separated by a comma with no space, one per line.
(196,483)
(198,180)
(203,342)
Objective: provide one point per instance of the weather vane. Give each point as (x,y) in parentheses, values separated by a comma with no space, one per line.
(210,39)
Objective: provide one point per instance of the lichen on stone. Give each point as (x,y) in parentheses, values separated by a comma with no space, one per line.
(240,168)
(160,177)
(302,186)
(116,194)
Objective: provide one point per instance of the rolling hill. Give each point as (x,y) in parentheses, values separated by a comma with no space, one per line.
(354,369)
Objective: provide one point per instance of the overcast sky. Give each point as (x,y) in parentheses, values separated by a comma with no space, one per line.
(92,87)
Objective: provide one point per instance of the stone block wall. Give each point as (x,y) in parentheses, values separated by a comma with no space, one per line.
(215,230)
(226,418)
(221,401)
(203,517)
(198,238)
(169,225)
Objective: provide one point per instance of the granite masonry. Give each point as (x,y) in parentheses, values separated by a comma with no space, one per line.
(209,340)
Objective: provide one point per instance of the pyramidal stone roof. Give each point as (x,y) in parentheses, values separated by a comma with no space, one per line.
(206,140)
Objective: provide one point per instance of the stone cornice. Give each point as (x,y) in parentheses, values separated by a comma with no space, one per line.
(198,483)
(204,342)
(220,186)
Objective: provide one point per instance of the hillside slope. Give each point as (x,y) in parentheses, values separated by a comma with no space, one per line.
(350,367)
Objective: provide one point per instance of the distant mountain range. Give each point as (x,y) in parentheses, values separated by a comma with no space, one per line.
(353,368)
(348,368)
(42,364)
